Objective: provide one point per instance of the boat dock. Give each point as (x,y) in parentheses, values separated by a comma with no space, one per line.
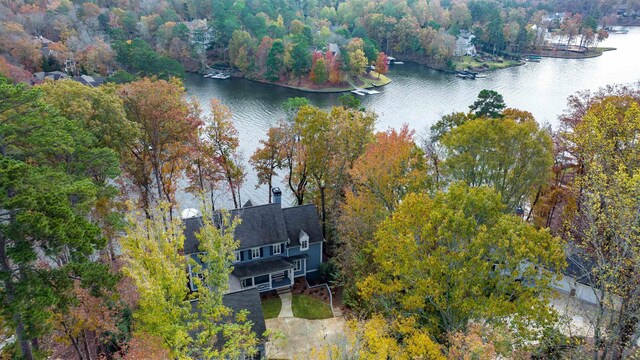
(363,92)
(217,75)
(469,75)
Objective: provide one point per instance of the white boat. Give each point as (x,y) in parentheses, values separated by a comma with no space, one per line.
(370,92)
(220,76)
(363,92)
(398,63)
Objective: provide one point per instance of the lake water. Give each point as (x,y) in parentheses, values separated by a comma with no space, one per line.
(419,96)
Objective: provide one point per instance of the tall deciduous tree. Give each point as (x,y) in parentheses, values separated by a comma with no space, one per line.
(390,167)
(357,62)
(168,125)
(222,138)
(241,50)
(513,158)
(455,257)
(605,226)
(268,158)
(381,64)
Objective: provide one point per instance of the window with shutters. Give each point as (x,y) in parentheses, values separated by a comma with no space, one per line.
(255,253)
(275,249)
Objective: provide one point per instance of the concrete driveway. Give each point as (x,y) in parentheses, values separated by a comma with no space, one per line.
(303,335)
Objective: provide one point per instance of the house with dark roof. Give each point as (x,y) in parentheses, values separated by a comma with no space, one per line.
(277,245)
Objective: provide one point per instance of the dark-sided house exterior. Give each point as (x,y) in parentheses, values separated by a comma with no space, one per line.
(276,245)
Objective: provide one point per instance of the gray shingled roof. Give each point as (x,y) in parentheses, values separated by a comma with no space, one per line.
(242,300)
(304,217)
(260,267)
(248,300)
(261,225)
(191,227)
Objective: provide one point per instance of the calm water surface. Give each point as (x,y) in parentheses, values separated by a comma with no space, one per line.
(419,96)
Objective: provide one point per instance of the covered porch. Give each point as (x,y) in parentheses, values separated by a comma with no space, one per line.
(265,274)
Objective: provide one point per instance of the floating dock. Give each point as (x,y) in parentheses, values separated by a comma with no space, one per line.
(363,92)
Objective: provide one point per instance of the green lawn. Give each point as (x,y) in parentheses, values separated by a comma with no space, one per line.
(271,307)
(383,80)
(467,61)
(306,307)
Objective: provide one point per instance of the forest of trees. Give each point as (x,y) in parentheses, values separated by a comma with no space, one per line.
(276,40)
(441,245)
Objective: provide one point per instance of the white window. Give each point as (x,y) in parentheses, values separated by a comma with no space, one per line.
(297,265)
(255,253)
(238,256)
(275,249)
(304,240)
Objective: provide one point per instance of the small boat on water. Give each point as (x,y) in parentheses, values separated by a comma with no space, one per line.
(398,63)
(220,76)
(363,92)
(533,58)
(467,75)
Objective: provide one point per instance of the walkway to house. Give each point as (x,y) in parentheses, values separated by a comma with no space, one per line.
(303,335)
(286,298)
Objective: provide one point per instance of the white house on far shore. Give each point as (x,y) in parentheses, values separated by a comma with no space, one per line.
(464,44)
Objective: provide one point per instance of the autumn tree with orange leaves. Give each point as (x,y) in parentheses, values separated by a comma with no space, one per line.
(168,125)
(390,167)
(382,67)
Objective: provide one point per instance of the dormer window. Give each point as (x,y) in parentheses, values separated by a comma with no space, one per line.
(255,253)
(304,240)
(276,249)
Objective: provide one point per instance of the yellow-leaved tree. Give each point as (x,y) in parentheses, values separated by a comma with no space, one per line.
(603,225)
(190,325)
(456,257)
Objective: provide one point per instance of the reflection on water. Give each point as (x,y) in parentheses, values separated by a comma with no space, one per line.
(419,96)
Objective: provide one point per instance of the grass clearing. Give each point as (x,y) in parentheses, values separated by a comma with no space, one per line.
(467,62)
(271,307)
(307,307)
